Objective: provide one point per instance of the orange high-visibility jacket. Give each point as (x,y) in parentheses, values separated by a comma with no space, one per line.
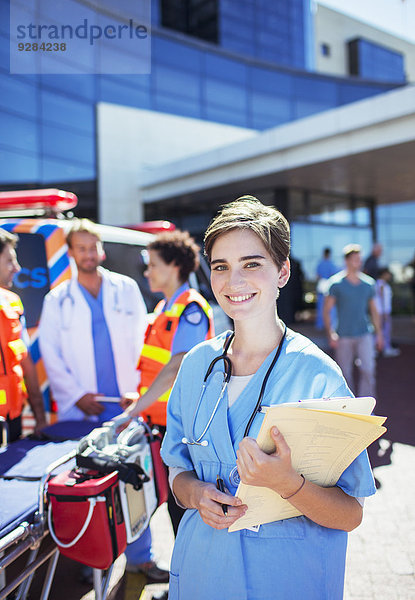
(12,351)
(157,347)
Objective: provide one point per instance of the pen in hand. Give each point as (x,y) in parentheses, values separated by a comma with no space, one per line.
(220,486)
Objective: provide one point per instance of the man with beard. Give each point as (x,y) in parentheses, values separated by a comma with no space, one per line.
(91,332)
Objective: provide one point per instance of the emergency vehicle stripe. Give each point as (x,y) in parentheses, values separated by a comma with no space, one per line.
(155,353)
(55,242)
(57,269)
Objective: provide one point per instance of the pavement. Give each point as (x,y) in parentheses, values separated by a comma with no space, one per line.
(381,555)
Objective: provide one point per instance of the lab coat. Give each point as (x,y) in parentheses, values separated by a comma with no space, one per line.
(284,560)
(66,341)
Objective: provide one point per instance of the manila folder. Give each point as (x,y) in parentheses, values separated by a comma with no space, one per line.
(323,444)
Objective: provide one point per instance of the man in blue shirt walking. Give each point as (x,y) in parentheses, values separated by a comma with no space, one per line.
(353,293)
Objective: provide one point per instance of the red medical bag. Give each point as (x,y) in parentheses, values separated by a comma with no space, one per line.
(85,517)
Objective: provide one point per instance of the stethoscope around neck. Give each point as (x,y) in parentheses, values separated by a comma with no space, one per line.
(199,441)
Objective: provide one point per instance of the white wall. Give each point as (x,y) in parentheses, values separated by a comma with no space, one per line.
(336,29)
(131,140)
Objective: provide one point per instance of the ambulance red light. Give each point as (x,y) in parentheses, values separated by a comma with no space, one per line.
(152,226)
(49,199)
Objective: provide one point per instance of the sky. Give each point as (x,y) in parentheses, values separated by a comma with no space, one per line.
(393,16)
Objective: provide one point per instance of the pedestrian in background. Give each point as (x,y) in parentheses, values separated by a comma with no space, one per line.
(18,377)
(383,300)
(371,266)
(353,293)
(325,269)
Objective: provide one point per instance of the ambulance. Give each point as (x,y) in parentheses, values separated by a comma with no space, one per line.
(41,219)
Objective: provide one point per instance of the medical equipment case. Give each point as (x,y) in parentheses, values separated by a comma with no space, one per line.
(86,518)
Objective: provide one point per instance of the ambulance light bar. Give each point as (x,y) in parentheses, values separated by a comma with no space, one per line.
(48,200)
(152,226)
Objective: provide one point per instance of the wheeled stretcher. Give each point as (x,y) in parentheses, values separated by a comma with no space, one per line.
(34,520)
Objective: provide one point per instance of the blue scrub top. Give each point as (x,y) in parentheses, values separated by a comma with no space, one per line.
(284,560)
(103,353)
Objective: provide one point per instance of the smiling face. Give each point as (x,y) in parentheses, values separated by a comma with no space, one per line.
(87,251)
(244,278)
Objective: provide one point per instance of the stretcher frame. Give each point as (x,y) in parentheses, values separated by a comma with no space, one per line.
(29,536)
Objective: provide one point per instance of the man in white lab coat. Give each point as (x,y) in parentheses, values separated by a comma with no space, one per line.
(91,333)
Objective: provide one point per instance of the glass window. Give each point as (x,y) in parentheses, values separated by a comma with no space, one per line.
(177,82)
(265,104)
(198,18)
(182,106)
(220,93)
(53,170)
(18,133)
(75,86)
(18,96)
(220,67)
(229,116)
(113,89)
(62,143)
(272,82)
(18,167)
(71,113)
(168,52)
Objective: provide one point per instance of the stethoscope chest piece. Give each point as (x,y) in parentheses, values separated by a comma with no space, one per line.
(234,478)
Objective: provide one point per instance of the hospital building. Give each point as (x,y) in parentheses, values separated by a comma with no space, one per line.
(305,107)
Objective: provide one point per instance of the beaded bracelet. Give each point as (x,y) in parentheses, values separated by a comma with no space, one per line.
(296,492)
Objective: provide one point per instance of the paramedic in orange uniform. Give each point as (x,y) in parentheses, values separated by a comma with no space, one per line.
(18,378)
(179,322)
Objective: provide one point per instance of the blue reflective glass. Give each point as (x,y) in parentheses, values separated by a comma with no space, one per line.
(18,133)
(4,18)
(76,86)
(265,104)
(225,68)
(113,89)
(61,143)
(18,96)
(64,111)
(18,167)
(238,29)
(176,105)
(4,53)
(312,88)
(53,170)
(177,82)
(273,82)
(168,52)
(229,116)
(225,94)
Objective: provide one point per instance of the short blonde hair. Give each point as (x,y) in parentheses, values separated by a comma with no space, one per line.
(351,249)
(82,226)
(247,212)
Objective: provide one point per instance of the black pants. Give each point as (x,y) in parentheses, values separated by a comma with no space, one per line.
(15,428)
(175,511)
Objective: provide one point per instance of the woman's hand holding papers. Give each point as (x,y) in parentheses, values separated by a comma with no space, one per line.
(273,471)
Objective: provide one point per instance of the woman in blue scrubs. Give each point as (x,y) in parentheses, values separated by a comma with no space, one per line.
(248,244)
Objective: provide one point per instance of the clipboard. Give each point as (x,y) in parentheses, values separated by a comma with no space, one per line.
(357,406)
